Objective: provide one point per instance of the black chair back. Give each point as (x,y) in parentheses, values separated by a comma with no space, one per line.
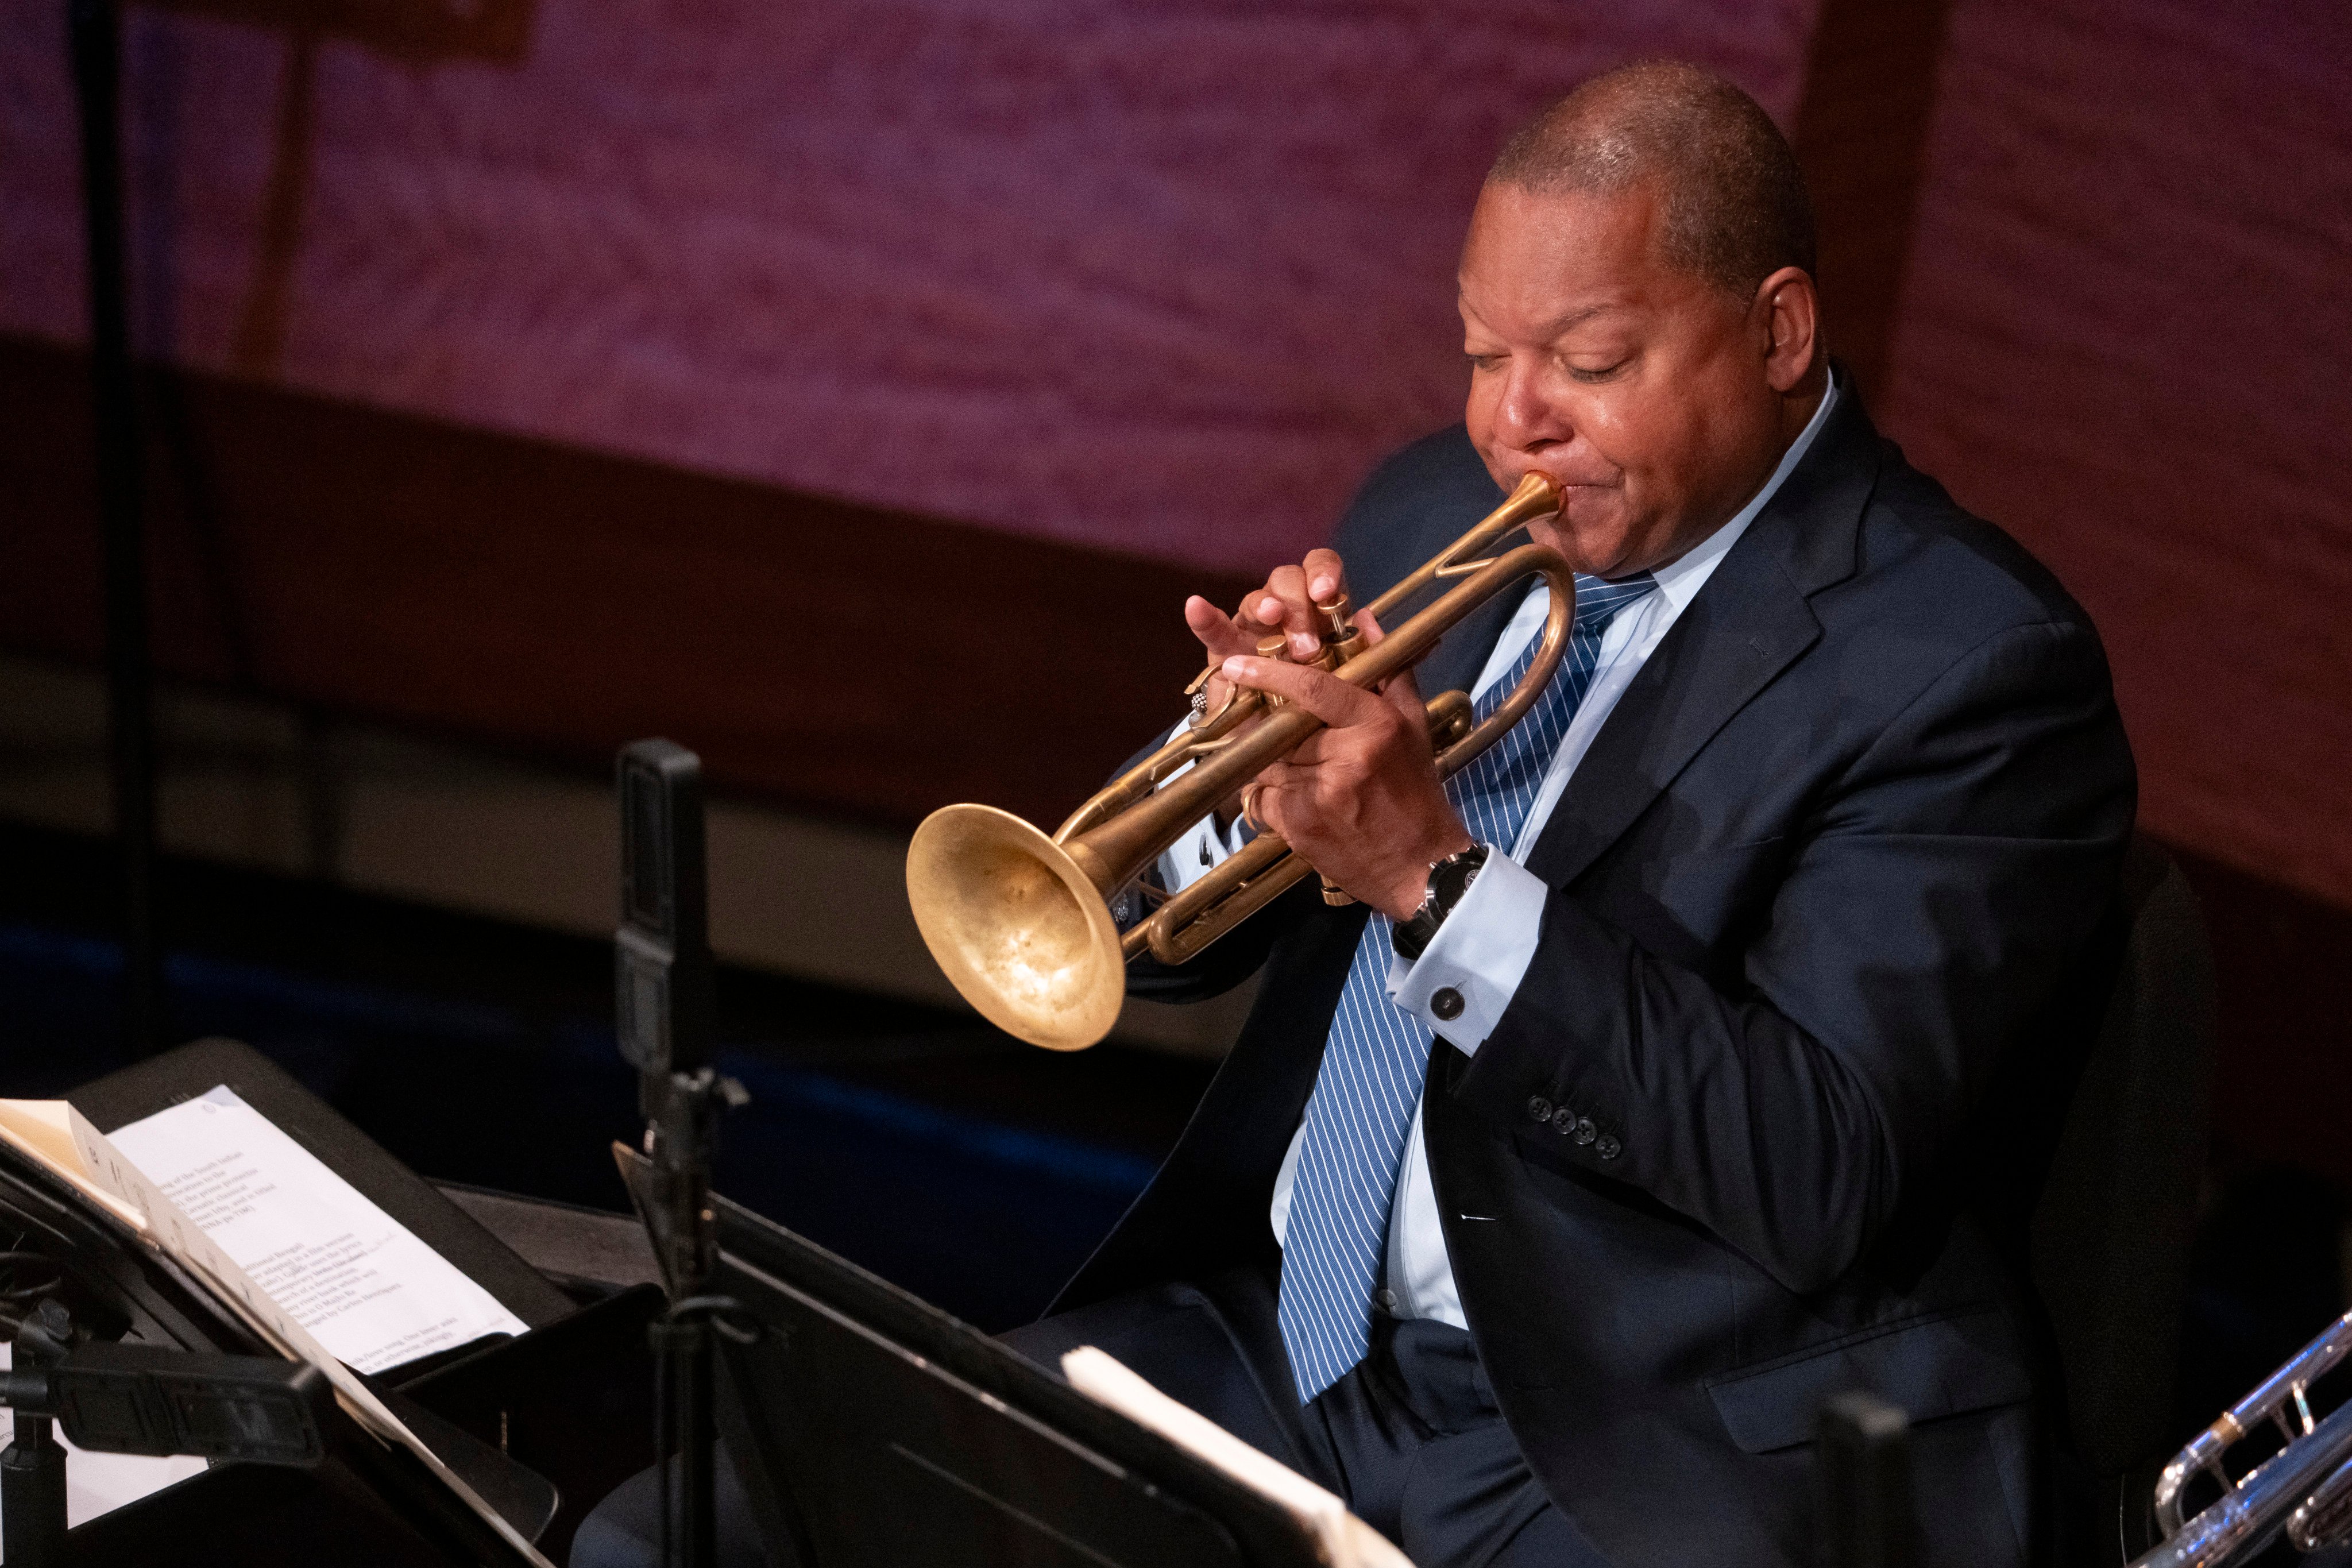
(2111,1231)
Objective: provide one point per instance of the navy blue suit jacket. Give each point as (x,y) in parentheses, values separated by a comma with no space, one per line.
(1823,948)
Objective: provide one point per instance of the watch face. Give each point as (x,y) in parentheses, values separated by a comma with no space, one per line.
(1448,881)
(1452,879)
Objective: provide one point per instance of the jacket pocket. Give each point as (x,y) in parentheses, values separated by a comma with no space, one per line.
(1941,1365)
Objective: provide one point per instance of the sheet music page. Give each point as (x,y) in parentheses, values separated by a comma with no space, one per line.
(50,1133)
(366,1287)
(1347,1542)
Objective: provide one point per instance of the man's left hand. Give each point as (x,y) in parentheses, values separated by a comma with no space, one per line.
(1360,799)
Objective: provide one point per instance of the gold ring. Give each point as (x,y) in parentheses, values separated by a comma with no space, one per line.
(1249,805)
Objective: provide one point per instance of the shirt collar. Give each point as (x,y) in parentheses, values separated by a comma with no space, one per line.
(1680,580)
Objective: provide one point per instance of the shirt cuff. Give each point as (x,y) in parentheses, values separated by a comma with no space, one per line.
(1480,953)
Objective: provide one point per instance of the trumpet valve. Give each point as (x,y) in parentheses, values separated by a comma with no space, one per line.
(1341,640)
(1274,646)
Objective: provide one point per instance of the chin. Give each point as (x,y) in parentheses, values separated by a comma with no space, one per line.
(1597,549)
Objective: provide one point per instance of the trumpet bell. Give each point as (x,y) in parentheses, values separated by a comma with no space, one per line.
(1017,925)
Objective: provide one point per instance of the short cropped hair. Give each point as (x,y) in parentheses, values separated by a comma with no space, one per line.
(1736,208)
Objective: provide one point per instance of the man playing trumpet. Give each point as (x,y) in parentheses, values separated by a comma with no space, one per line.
(1676,1064)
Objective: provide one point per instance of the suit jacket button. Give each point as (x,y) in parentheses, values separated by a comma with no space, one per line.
(1608,1148)
(1446,1002)
(1386,1300)
(1540,1108)
(1563,1120)
(1586,1132)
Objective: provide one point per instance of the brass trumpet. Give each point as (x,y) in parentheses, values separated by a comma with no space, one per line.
(1020,922)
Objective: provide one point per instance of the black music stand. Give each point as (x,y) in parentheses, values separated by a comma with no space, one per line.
(118,1290)
(871,1430)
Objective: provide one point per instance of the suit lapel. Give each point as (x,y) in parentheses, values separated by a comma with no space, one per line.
(1721,653)
(1748,623)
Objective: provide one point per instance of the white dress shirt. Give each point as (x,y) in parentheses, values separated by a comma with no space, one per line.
(1484,946)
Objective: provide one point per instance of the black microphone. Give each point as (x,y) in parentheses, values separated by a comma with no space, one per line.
(662,951)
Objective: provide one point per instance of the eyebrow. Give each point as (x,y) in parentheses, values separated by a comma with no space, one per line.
(1577,318)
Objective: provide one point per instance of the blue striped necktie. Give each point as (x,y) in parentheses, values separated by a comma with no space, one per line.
(1376,1055)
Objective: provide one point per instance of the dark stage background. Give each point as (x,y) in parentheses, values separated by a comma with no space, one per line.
(852,390)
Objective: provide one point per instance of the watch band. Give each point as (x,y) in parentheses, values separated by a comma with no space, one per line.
(1449,880)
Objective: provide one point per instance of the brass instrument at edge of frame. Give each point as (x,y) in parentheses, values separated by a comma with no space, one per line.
(1021,921)
(2304,1489)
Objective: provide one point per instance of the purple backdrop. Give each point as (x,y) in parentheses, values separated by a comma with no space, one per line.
(1161,278)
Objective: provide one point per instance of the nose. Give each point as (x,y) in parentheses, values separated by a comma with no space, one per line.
(1527,419)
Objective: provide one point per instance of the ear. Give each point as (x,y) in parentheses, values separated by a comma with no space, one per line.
(1786,316)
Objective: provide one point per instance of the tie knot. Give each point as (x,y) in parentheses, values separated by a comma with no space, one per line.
(1598,599)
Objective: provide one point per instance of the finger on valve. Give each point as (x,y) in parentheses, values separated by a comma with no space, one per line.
(1301,619)
(1327,576)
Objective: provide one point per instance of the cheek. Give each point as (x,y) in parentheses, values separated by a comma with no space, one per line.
(1650,443)
(1478,418)
(1614,427)
(1478,408)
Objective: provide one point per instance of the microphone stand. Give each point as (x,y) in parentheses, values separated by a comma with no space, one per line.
(662,985)
(94,36)
(33,1466)
(681,1141)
